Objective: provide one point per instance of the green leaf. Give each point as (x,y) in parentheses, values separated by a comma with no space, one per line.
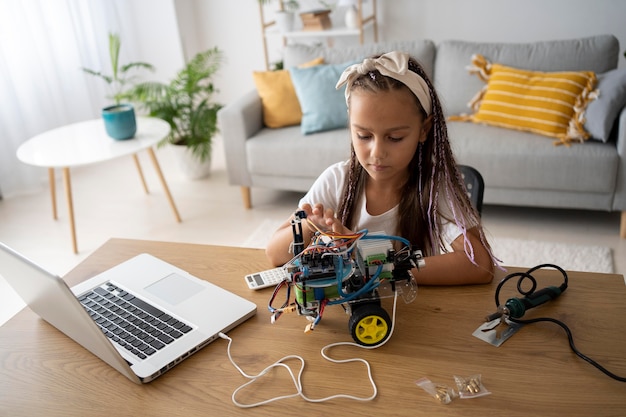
(114,52)
(118,80)
(186,103)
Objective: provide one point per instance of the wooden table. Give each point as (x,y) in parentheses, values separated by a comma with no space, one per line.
(532,374)
(86,143)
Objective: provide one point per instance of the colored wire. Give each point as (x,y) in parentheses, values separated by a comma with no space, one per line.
(388,237)
(371,285)
(277,312)
(323,304)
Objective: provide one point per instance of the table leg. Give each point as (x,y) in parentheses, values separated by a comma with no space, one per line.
(157,168)
(143,180)
(53,192)
(247,197)
(70,206)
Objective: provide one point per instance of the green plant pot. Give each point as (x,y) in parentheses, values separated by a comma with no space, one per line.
(119,121)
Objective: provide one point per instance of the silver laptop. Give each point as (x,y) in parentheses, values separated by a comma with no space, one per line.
(142,317)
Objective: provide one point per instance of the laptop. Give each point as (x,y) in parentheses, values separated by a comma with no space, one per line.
(142,317)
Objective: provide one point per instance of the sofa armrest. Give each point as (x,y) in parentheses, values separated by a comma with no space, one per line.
(619,200)
(238,121)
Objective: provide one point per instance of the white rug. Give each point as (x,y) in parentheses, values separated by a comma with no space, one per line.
(512,252)
(571,257)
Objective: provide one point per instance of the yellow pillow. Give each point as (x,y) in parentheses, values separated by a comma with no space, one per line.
(312,63)
(547,103)
(280,103)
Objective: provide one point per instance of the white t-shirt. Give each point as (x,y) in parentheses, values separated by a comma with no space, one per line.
(328,190)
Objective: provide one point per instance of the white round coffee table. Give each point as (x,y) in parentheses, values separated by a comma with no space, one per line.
(86,143)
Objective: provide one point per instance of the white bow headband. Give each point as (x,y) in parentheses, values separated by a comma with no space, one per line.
(394,65)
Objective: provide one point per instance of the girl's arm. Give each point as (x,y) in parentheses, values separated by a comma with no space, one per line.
(452,268)
(277,249)
(455,268)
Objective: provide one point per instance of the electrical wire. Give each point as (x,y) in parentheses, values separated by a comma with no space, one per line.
(389,237)
(369,286)
(277,312)
(297,380)
(528,276)
(570,338)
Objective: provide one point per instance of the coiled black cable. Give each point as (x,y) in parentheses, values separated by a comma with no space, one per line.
(528,276)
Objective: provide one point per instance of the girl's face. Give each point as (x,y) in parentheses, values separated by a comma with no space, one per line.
(386,128)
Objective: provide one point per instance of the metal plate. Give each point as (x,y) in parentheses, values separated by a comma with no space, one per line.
(496,332)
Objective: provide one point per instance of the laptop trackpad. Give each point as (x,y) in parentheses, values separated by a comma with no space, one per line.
(174,288)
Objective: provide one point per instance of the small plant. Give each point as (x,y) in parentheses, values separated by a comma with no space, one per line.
(185,103)
(277,65)
(289,5)
(120,77)
(328,5)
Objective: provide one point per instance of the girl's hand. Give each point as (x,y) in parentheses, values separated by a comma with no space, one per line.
(325,219)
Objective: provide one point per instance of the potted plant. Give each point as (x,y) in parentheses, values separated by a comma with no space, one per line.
(285,17)
(119,119)
(186,104)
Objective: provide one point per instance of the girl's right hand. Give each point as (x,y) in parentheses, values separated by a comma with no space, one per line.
(325,219)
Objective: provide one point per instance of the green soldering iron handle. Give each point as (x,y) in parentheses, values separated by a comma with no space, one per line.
(518,306)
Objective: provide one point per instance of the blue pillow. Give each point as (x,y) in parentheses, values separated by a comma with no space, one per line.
(323,107)
(601,113)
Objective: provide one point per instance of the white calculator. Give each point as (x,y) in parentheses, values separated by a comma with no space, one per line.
(267,278)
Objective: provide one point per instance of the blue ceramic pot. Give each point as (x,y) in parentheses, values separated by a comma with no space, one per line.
(119,121)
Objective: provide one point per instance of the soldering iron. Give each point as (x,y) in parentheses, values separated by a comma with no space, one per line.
(516,307)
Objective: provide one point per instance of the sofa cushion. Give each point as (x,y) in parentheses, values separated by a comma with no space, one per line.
(421,50)
(280,103)
(602,112)
(323,106)
(523,160)
(546,103)
(287,153)
(456,86)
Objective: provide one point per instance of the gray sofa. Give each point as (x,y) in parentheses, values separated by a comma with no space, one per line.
(519,168)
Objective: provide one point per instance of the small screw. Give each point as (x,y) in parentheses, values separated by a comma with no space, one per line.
(473,386)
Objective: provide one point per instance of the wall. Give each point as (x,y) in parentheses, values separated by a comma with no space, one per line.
(44,45)
(235,27)
(164,50)
(503,20)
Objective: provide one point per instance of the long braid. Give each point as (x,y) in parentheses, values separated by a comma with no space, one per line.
(351,191)
(446,177)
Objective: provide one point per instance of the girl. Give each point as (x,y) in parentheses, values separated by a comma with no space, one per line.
(401,177)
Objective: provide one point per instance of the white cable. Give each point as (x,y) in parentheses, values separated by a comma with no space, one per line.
(297,381)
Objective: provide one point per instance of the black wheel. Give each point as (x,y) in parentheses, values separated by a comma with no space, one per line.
(369,325)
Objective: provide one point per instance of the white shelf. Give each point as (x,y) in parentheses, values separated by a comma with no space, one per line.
(327,33)
(269,29)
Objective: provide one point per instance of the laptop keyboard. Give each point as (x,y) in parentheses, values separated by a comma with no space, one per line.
(139,327)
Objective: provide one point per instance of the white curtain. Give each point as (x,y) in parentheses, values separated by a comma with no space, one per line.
(43,46)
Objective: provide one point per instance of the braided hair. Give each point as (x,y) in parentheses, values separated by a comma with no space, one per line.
(433,179)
